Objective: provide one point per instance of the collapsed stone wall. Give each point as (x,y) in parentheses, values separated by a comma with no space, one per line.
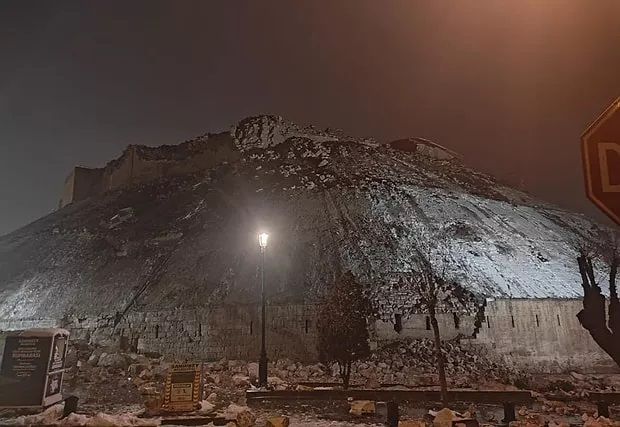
(424,147)
(541,335)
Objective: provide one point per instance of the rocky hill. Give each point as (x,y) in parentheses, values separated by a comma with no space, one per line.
(330,203)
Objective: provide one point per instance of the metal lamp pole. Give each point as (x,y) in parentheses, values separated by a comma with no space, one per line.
(262,363)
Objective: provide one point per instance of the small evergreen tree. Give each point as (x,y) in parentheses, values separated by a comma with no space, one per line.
(342,325)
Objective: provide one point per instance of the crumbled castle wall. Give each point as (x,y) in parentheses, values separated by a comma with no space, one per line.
(80,184)
(139,164)
(424,147)
(418,326)
(546,335)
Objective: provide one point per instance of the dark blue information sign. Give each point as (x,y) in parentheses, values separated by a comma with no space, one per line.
(32,367)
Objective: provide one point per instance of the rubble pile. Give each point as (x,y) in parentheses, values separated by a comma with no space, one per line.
(105,375)
(466,366)
(576,384)
(53,416)
(559,414)
(124,388)
(405,363)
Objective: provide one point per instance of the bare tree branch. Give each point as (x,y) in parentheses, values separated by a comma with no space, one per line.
(425,287)
(603,327)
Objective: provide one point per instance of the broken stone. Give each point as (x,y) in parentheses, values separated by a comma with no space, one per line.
(152,405)
(578,376)
(146,374)
(242,415)
(206,407)
(241,380)
(94,357)
(276,382)
(535,419)
(362,407)
(444,418)
(372,383)
(148,389)
(411,423)
(112,360)
(277,422)
(122,216)
(253,370)
(212,378)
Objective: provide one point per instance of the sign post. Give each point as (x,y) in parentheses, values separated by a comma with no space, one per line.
(600,148)
(33,365)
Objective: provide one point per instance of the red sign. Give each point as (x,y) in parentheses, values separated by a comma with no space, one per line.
(600,147)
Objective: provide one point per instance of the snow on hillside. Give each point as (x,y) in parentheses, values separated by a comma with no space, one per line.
(331,203)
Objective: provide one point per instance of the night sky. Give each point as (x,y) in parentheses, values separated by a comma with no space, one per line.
(510,85)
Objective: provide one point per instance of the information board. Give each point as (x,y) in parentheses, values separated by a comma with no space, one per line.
(32,367)
(183,388)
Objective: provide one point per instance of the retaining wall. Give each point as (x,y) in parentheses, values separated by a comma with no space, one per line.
(541,335)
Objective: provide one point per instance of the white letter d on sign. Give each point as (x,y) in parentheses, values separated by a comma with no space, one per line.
(603,148)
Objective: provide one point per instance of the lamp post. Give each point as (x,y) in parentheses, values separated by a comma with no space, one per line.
(262,363)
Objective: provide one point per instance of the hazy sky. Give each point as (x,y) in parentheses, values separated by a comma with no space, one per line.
(509,84)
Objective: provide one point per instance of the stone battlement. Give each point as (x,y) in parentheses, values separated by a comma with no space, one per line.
(140,164)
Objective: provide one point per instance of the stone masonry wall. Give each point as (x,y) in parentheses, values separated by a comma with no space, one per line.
(418,326)
(231,332)
(542,335)
(66,196)
(140,164)
(80,184)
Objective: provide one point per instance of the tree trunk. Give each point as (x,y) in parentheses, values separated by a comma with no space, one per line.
(593,317)
(345,373)
(441,366)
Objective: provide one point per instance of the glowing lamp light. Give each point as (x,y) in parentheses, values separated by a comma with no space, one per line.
(262,240)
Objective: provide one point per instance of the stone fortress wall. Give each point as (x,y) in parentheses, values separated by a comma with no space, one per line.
(140,164)
(541,335)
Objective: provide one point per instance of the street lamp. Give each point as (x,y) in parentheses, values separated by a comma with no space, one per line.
(262,363)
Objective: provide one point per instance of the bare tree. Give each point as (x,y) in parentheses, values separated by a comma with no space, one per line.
(342,325)
(426,288)
(601,321)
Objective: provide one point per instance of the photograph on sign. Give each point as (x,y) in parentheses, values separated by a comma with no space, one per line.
(59,349)
(54,382)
